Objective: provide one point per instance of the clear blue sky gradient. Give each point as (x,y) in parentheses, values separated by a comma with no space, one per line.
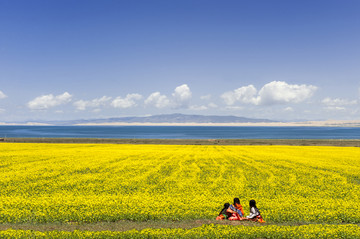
(92,49)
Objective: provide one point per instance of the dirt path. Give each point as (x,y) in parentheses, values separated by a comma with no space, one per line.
(130,225)
(122,225)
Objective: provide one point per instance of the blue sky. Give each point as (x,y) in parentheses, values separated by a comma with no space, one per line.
(281,60)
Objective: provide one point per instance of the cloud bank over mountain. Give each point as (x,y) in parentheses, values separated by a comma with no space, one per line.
(49,101)
(277,97)
(275,92)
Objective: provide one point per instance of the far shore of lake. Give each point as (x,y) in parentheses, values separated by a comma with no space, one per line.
(290,142)
(324,123)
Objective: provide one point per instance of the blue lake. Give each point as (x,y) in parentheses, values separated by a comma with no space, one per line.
(180,132)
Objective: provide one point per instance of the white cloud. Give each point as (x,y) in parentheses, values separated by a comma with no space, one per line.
(127,102)
(2,95)
(182,96)
(275,92)
(281,92)
(198,107)
(157,100)
(245,94)
(2,111)
(205,97)
(82,104)
(48,101)
(234,107)
(212,105)
(289,109)
(335,108)
(338,102)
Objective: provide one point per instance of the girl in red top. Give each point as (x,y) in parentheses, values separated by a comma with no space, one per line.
(236,210)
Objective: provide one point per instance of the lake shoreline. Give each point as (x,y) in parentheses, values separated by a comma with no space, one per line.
(293,142)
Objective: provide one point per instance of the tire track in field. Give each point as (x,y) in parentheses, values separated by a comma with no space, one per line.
(256,178)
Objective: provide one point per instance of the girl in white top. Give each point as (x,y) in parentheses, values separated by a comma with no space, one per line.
(254,213)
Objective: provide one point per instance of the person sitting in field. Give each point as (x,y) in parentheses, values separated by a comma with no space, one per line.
(223,213)
(236,210)
(254,213)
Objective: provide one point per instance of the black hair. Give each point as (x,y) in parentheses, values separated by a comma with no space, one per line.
(226,205)
(236,200)
(252,203)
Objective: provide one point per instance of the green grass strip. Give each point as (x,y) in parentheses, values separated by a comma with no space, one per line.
(205,231)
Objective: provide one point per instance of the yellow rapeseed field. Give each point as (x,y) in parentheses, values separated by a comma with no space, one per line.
(44,183)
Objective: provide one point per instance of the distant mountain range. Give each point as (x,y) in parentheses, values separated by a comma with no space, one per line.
(182,119)
(166,118)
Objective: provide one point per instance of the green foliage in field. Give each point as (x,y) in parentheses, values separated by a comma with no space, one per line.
(206,231)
